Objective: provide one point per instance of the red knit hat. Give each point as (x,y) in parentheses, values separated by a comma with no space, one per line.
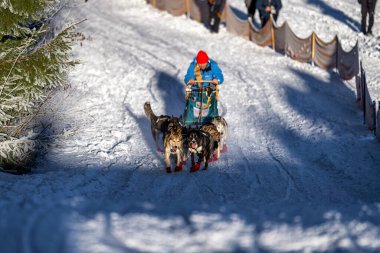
(202,57)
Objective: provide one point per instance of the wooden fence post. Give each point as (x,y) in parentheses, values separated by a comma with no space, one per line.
(187,8)
(374,117)
(363,84)
(312,48)
(358,89)
(377,131)
(272,31)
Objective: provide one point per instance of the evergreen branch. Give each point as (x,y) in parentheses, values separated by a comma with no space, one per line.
(24,124)
(55,38)
(36,50)
(10,71)
(55,13)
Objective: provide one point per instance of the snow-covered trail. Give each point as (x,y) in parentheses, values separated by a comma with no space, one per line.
(301,174)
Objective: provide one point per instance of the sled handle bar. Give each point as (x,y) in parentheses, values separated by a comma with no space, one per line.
(201,89)
(208,81)
(198,90)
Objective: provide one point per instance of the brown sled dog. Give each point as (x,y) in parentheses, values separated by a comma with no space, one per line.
(173,145)
(213,131)
(222,127)
(171,130)
(158,124)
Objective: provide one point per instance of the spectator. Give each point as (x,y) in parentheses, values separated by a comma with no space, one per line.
(216,10)
(251,6)
(368,7)
(268,8)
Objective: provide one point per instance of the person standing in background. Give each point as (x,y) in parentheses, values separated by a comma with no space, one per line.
(368,7)
(267,8)
(216,10)
(251,7)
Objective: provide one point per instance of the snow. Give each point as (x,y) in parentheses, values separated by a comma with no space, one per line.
(301,173)
(328,18)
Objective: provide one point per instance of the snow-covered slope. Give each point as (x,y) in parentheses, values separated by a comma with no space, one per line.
(329,18)
(301,174)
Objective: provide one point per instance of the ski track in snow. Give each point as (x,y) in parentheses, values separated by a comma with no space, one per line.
(300,175)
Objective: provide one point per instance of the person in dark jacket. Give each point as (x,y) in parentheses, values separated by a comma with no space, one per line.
(368,7)
(251,6)
(267,8)
(216,10)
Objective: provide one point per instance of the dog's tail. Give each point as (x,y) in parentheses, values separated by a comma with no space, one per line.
(149,112)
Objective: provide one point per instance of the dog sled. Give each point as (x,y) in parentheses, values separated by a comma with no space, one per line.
(201,104)
(200,131)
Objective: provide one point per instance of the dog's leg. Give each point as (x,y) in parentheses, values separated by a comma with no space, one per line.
(215,153)
(206,165)
(167,160)
(218,151)
(184,156)
(192,159)
(223,146)
(156,136)
(194,166)
(206,158)
(179,161)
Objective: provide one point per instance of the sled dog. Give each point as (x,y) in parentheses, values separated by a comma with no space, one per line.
(222,127)
(212,130)
(173,145)
(201,143)
(158,124)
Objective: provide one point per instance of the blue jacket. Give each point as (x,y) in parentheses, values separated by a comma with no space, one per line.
(212,71)
(261,4)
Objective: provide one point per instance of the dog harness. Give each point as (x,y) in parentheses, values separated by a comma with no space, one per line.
(200,148)
(198,77)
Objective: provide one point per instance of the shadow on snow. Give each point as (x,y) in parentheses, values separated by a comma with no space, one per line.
(315,190)
(337,14)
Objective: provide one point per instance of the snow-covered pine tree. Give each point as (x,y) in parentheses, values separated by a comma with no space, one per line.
(32,62)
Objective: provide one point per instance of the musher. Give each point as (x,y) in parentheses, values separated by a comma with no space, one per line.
(203,74)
